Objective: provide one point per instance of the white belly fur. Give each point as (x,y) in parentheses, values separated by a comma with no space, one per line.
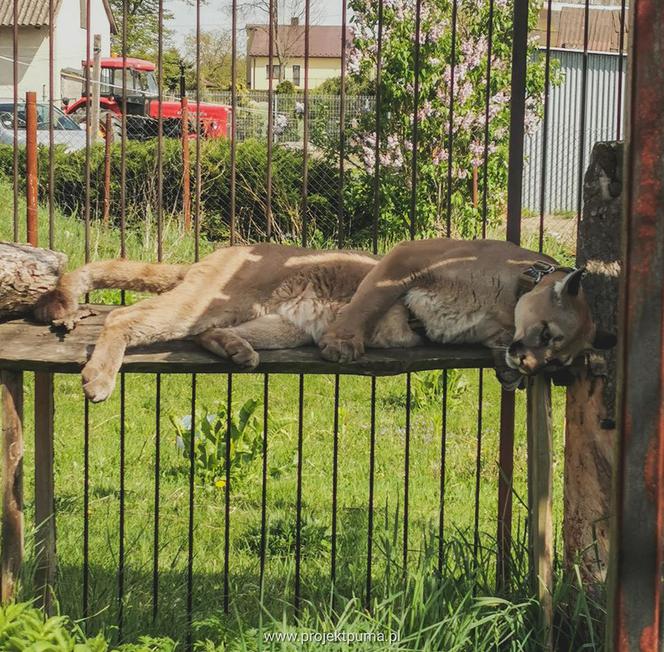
(446,320)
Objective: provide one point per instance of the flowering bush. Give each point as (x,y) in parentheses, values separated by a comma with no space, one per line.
(450,73)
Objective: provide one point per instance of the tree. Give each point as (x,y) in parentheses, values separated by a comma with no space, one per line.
(215,57)
(142,27)
(466,148)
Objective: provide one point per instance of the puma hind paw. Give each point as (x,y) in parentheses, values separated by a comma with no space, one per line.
(226,344)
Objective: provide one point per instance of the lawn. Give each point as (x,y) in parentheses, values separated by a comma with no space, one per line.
(455,610)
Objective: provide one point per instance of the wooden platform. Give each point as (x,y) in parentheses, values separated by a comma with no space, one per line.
(27,346)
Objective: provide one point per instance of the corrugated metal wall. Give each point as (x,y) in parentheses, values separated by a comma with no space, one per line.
(564,151)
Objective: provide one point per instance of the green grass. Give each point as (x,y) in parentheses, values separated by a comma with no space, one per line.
(458,610)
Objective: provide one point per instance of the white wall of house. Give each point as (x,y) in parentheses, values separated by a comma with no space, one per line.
(69,48)
(320,70)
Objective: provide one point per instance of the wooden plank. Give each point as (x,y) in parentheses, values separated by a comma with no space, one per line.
(12,481)
(34,347)
(44,490)
(540,494)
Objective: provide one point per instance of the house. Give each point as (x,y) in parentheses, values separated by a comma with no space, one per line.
(604,69)
(288,54)
(69,41)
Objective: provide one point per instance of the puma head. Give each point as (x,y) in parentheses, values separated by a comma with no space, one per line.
(553,326)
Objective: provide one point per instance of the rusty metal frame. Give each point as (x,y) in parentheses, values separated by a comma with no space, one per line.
(637,584)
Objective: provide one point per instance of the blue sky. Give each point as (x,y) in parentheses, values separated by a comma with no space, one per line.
(215,15)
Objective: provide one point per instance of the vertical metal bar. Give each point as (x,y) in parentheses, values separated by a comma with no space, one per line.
(86,214)
(86,513)
(15,125)
(160,237)
(450,124)
(335,483)
(406,475)
(517,120)
(374,242)
(416,121)
(233,134)
(582,111)
(298,502)
(51,119)
(270,117)
(266,388)
(505,475)
(121,535)
(545,125)
(305,128)
(342,125)
(487,103)
(443,454)
(31,180)
(197,212)
(621,52)
(190,529)
(227,492)
(636,595)
(186,172)
(108,139)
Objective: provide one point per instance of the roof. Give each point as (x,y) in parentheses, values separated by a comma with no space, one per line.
(324,40)
(567,28)
(35,13)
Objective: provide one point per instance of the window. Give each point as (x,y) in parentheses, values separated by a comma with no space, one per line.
(106,81)
(276,71)
(296,75)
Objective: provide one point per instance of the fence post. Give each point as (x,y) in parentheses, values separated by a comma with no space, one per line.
(108,140)
(12,480)
(44,408)
(186,189)
(636,588)
(540,492)
(590,411)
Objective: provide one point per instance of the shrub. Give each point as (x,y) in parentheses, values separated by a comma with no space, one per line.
(141,186)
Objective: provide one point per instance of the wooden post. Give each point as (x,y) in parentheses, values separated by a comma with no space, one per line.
(12,481)
(186,188)
(96,79)
(590,424)
(31,180)
(108,140)
(540,495)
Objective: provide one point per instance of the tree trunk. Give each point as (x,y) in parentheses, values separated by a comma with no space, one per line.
(25,274)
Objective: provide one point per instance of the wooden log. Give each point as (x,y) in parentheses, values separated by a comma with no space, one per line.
(12,481)
(590,424)
(25,274)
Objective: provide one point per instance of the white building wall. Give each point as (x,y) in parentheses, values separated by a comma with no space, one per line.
(69,49)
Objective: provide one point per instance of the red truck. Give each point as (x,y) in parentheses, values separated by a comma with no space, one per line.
(142,100)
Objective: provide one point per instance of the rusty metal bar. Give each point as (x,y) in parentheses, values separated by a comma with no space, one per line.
(636,597)
(31,179)
(15,124)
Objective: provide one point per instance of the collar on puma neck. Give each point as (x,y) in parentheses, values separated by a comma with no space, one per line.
(532,275)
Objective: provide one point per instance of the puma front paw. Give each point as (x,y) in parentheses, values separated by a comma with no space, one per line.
(98,383)
(55,306)
(343,348)
(242,354)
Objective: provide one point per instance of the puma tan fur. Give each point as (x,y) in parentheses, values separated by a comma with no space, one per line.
(239,300)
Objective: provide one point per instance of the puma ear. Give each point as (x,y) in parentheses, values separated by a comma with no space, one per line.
(570,284)
(604,340)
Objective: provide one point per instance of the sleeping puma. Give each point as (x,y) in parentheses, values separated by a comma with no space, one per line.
(267,296)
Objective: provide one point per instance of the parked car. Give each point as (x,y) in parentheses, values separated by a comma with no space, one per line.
(65,130)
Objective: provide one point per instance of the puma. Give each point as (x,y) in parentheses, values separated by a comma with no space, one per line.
(241,299)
